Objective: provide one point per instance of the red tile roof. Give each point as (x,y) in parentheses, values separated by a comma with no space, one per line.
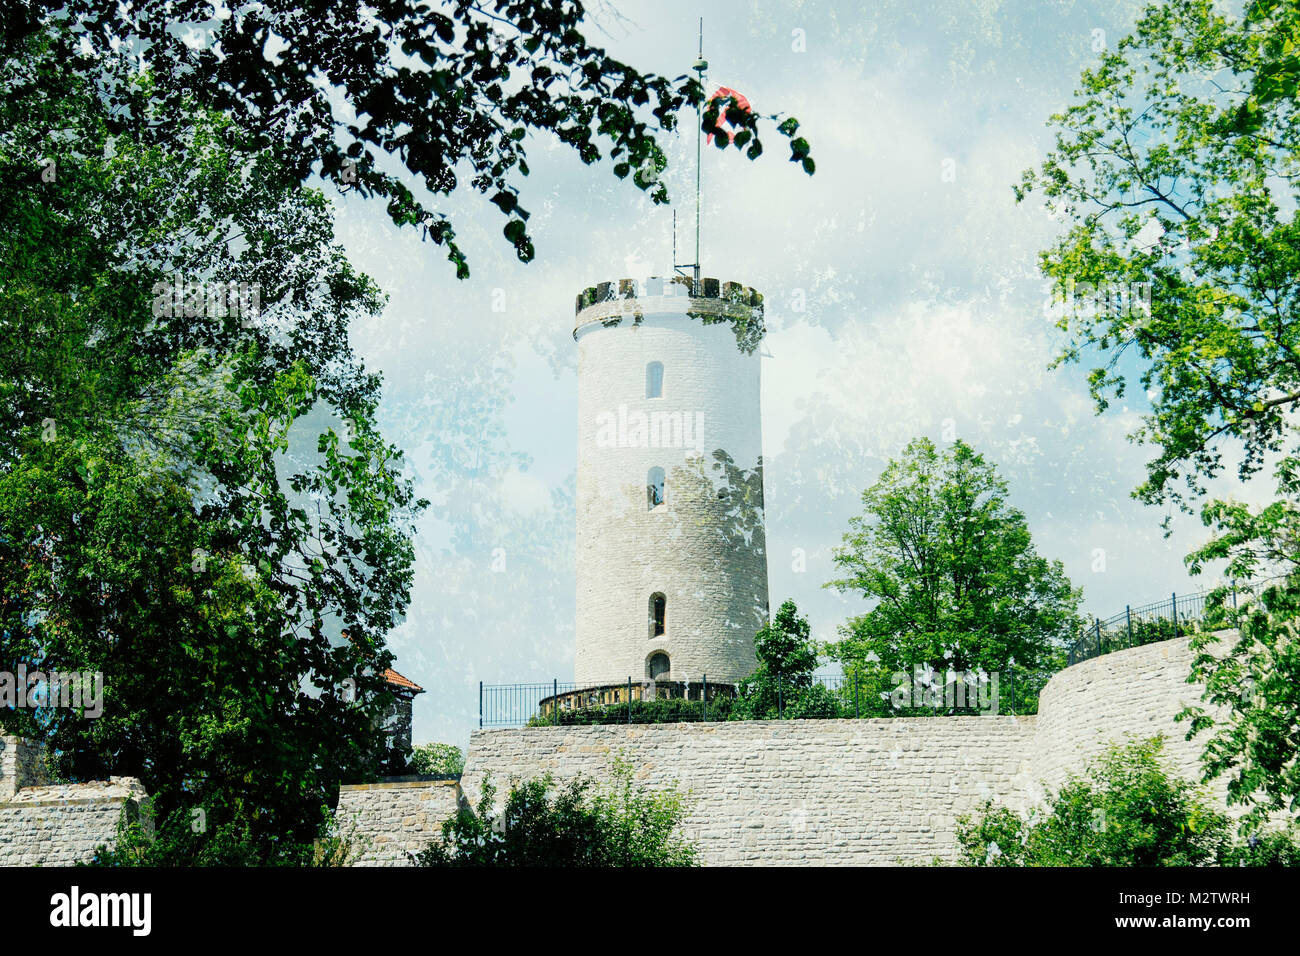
(405,683)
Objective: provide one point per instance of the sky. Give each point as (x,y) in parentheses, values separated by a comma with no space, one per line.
(903,299)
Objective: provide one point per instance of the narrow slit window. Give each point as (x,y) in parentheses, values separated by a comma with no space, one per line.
(654,380)
(658,614)
(654,487)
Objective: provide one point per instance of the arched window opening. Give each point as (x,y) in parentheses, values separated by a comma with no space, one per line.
(658,614)
(654,487)
(658,665)
(654,380)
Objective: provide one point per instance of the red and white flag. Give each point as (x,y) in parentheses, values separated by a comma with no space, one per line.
(731,113)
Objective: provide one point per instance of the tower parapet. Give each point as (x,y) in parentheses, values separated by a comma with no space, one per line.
(711,300)
(671,562)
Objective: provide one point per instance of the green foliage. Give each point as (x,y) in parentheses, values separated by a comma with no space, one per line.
(782,682)
(1175,167)
(956,582)
(441,89)
(1126,809)
(618,823)
(1251,710)
(661,711)
(178,509)
(438,759)
(181,841)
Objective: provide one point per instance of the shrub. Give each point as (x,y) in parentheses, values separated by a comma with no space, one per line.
(663,711)
(438,759)
(580,824)
(185,840)
(1125,810)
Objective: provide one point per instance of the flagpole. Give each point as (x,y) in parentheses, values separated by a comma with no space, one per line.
(700,66)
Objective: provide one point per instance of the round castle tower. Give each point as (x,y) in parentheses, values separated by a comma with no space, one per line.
(671,561)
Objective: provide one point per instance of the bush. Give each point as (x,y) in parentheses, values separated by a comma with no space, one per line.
(581,824)
(1125,810)
(185,840)
(444,759)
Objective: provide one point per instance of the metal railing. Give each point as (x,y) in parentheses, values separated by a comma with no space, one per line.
(630,701)
(1176,616)
(646,701)
(560,703)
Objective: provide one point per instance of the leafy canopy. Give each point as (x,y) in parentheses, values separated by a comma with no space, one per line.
(1175,167)
(435,89)
(438,759)
(182,506)
(617,823)
(956,582)
(1126,809)
(781,685)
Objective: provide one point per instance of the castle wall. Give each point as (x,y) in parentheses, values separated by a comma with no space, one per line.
(866,791)
(811,792)
(44,824)
(1137,692)
(791,792)
(387,822)
(704,547)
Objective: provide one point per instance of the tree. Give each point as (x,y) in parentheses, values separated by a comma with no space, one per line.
(434,90)
(581,824)
(1126,809)
(182,508)
(957,584)
(438,759)
(782,683)
(1174,167)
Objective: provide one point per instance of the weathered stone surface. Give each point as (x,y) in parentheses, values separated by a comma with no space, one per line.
(765,792)
(44,824)
(703,547)
(388,822)
(866,791)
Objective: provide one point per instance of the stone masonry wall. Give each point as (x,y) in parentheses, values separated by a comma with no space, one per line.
(63,824)
(1133,692)
(22,764)
(761,792)
(791,791)
(387,822)
(866,791)
(704,547)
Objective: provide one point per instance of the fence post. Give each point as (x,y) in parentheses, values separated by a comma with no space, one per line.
(857,707)
(555,698)
(629,698)
(1173,606)
(704,696)
(480,705)
(1128,621)
(1097,629)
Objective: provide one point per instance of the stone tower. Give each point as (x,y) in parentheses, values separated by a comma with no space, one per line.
(671,560)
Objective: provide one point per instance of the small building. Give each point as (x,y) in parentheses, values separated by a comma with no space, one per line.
(397,726)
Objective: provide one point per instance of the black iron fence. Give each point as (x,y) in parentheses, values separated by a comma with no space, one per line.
(1014,690)
(630,701)
(1176,616)
(559,703)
